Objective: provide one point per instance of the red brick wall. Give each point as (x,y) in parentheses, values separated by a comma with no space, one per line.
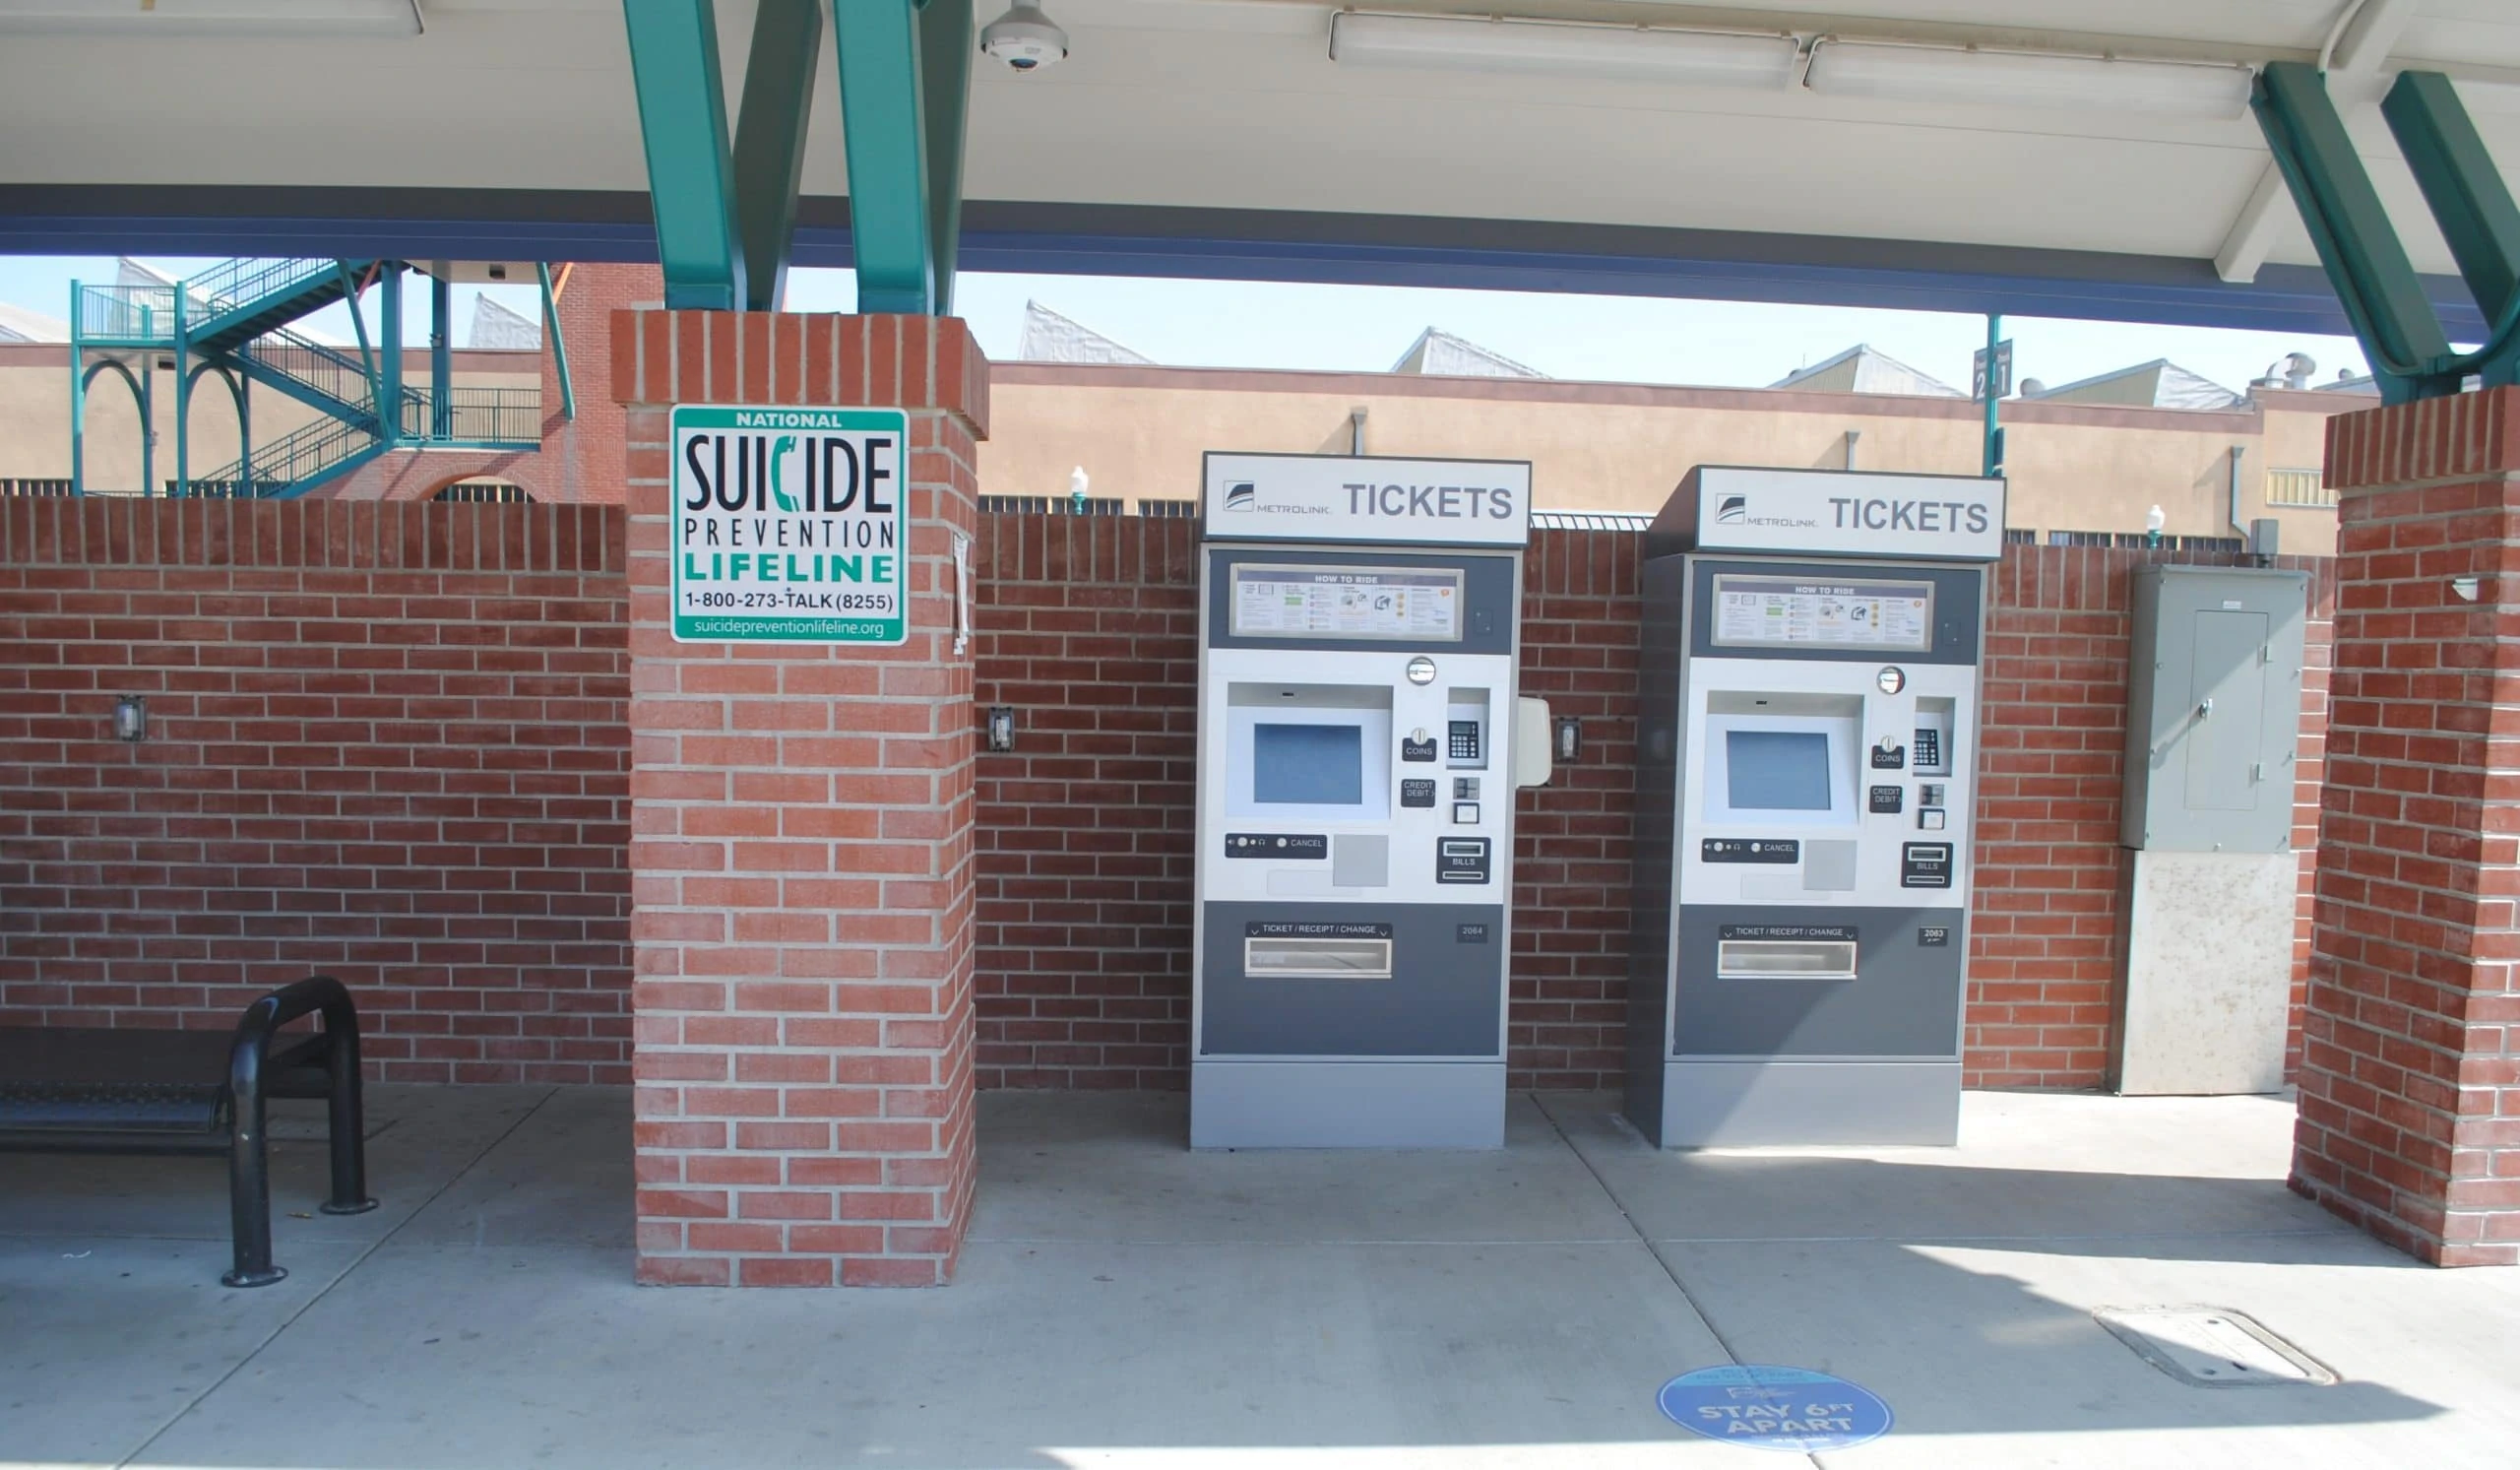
(384,741)
(2410,1090)
(1088,627)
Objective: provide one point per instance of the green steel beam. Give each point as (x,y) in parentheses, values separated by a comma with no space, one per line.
(691,178)
(559,341)
(884,122)
(770,140)
(2364,261)
(2468,200)
(441,359)
(945,45)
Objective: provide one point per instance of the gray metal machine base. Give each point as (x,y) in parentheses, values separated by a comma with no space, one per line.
(1347,1105)
(1759,1104)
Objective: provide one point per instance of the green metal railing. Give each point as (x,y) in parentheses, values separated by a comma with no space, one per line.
(330,371)
(481,415)
(237,283)
(125,314)
(299,455)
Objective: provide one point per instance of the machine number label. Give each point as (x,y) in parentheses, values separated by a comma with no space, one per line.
(1934,936)
(1276,845)
(1461,859)
(1924,864)
(1470,933)
(1781,849)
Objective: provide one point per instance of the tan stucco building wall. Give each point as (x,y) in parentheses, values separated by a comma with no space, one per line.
(1139,433)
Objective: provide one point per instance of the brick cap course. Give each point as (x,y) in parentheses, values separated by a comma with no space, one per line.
(2432,441)
(913,363)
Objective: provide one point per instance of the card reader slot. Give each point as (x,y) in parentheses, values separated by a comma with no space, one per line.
(1781,959)
(1317,959)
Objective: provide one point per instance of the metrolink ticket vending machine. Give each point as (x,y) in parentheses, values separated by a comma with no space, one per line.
(1359,740)
(1807,744)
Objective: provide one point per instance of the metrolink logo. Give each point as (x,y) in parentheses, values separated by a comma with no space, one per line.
(1244,496)
(1734,510)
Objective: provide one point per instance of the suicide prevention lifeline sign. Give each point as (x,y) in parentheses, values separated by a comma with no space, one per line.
(791,525)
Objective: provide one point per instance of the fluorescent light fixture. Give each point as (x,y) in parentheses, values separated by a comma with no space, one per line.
(2018,79)
(214,17)
(1553,48)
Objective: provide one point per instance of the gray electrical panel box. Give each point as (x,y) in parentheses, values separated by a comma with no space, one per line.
(2214,709)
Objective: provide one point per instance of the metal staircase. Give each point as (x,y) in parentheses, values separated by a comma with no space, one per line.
(234,319)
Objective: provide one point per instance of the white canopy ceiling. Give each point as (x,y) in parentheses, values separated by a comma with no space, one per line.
(1237,104)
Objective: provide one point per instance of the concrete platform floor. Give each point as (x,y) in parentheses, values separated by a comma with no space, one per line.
(1125,1302)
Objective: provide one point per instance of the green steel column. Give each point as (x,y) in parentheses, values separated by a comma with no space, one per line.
(770,141)
(559,343)
(78,400)
(1986,459)
(441,360)
(2468,200)
(145,388)
(2364,262)
(389,353)
(945,46)
(184,398)
(244,391)
(885,127)
(683,116)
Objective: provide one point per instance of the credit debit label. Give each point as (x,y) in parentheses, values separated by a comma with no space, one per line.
(1750,850)
(1293,928)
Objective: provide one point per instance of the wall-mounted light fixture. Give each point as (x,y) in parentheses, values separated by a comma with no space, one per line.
(2466,588)
(131,719)
(1001,727)
(1570,740)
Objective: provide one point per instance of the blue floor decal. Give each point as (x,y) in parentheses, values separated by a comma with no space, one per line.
(1768,1407)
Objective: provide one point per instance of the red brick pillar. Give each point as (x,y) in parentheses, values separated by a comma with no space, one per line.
(2410,1080)
(801,850)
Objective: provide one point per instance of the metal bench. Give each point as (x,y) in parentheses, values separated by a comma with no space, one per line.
(99,1090)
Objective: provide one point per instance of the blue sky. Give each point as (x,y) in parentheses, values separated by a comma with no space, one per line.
(1615,339)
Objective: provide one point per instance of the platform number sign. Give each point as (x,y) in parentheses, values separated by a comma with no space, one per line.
(791,525)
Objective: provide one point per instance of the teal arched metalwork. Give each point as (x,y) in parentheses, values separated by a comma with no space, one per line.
(140,398)
(243,488)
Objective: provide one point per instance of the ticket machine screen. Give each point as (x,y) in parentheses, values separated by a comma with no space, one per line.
(1308,765)
(1777,769)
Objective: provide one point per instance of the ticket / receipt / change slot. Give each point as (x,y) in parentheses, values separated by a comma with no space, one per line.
(1784,958)
(1330,958)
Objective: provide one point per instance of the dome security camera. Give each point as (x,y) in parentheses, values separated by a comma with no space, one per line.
(1024,38)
